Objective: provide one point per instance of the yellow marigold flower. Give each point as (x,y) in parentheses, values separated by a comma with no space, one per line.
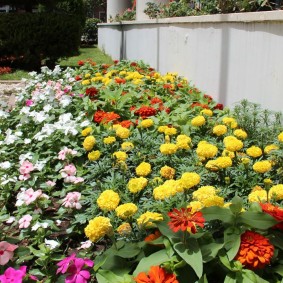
(123,133)
(195,206)
(198,121)
(231,122)
(232,143)
(240,134)
(108,200)
(167,172)
(168,148)
(167,139)
(207,112)
(124,229)
(190,179)
(267,181)
(212,165)
(126,210)
(257,188)
(262,166)
(115,127)
(161,129)
(254,151)
(226,152)
(182,144)
(168,189)
(206,150)
(86,131)
(204,192)
(184,138)
(135,185)
(258,196)
(224,162)
(245,160)
(94,155)
(170,131)
(270,147)
(120,155)
(109,140)
(127,146)
(147,123)
(143,169)
(213,201)
(89,143)
(88,75)
(85,82)
(276,192)
(219,130)
(98,228)
(146,219)
(280,137)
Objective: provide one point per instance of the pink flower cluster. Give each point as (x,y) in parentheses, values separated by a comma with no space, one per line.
(72,200)
(25,168)
(69,172)
(65,152)
(24,222)
(73,267)
(29,196)
(12,275)
(6,252)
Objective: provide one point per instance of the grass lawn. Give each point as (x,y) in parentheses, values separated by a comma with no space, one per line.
(85,53)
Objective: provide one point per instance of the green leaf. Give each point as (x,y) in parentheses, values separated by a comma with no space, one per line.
(218,213)
(278,269)
(230,278)
(210,251)
(191,254)
(107,276)
(203,279)
(232,241)
(258,220)
(276,239)
(154,259)
(250,277)
(237,205)
(130,250)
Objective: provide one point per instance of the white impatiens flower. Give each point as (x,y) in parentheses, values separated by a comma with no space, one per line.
(27,141)
(51,244)
(10,138)
(5,165)
(65,100)
(84,124)
(5,180)
(39,225)
(47,108)
(39,165)
(10,220)
(3,114)
(39,117)
(25,156)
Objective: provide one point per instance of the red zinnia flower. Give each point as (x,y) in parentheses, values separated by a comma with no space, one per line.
(133,64)
(153,236)
(219,106)
(81,63)
(167,86)
(156,100)
(275,211)
(208,97)
(91,92)
(146,111)
(120,81)
(183,220)
(126,123)
(255,250)
(197,104)
(78,78)
(116,62)
(105,117)
(156,274)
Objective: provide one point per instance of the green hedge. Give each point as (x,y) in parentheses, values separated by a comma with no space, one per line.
(39,37)
(90,30)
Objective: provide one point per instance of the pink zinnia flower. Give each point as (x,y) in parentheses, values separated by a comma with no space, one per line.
(6,252)
(25,221)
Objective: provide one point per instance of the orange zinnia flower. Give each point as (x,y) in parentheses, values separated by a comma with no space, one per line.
(255,250)
(156,274)
(275,211)
(183,220)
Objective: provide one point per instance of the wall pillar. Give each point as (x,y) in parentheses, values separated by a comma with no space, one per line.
(141,6)
(115,7)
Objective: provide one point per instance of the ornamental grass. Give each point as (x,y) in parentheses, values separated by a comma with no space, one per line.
(117,173)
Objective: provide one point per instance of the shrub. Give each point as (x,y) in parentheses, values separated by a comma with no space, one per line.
(89,35)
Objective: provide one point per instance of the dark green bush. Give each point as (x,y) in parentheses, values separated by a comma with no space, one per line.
(89,35)
(39,37)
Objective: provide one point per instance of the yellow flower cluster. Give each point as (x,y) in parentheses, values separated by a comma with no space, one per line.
(162,129)
(122,132)
(219,163)
(89,143)
(167,172)
(258,196)
(280,137)
(143,169)
(276,192)
(198,121)
(109,140)
(86,131)
(262,166)
(219,130)
(170,131)
(108,200)
(183,142)
(270,147)
(98,228)
(231,122)
(226,152)
(240,134)
(147,219)
(168,148)
(168,189)
(232,143)
(190,179)
(135,185)
(94,155)
(146,123)
(254,151)
(127,146)
(124,229)
(127,210)
(195,205)
(207,196)
(120,155)
(206,112)
(206,150)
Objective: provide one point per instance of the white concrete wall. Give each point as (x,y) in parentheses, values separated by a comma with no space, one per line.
(230,57)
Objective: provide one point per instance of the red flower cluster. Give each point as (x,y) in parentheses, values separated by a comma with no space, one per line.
(105,117)
(120,81)
(275,211)
(184,220)
(5,70)
(126,123)
(146,111)
(255,250)
(153,236)
(156,274)
(197,104)
(91,92)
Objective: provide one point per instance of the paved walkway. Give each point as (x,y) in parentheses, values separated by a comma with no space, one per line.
(7,91)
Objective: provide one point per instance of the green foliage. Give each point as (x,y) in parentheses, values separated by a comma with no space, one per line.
(89,34)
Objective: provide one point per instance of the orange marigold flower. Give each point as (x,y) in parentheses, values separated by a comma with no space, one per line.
(184,219)
(255,250)
(156,274)
(126,123)
(146,111)
(105,117)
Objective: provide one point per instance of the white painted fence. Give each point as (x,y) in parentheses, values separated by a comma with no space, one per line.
(230,57)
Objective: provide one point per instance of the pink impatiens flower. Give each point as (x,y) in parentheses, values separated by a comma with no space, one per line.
(77,274)
(65,152)
(6,252)
(68,170)
(12,275)
(25,221)
(72,200)
(30,195)
(26,167)
(29,102)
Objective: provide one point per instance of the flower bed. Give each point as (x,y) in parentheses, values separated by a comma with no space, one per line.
(120,174)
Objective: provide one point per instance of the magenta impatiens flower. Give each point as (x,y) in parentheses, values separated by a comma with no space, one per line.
(6,252)
(65,263)
(12,275)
